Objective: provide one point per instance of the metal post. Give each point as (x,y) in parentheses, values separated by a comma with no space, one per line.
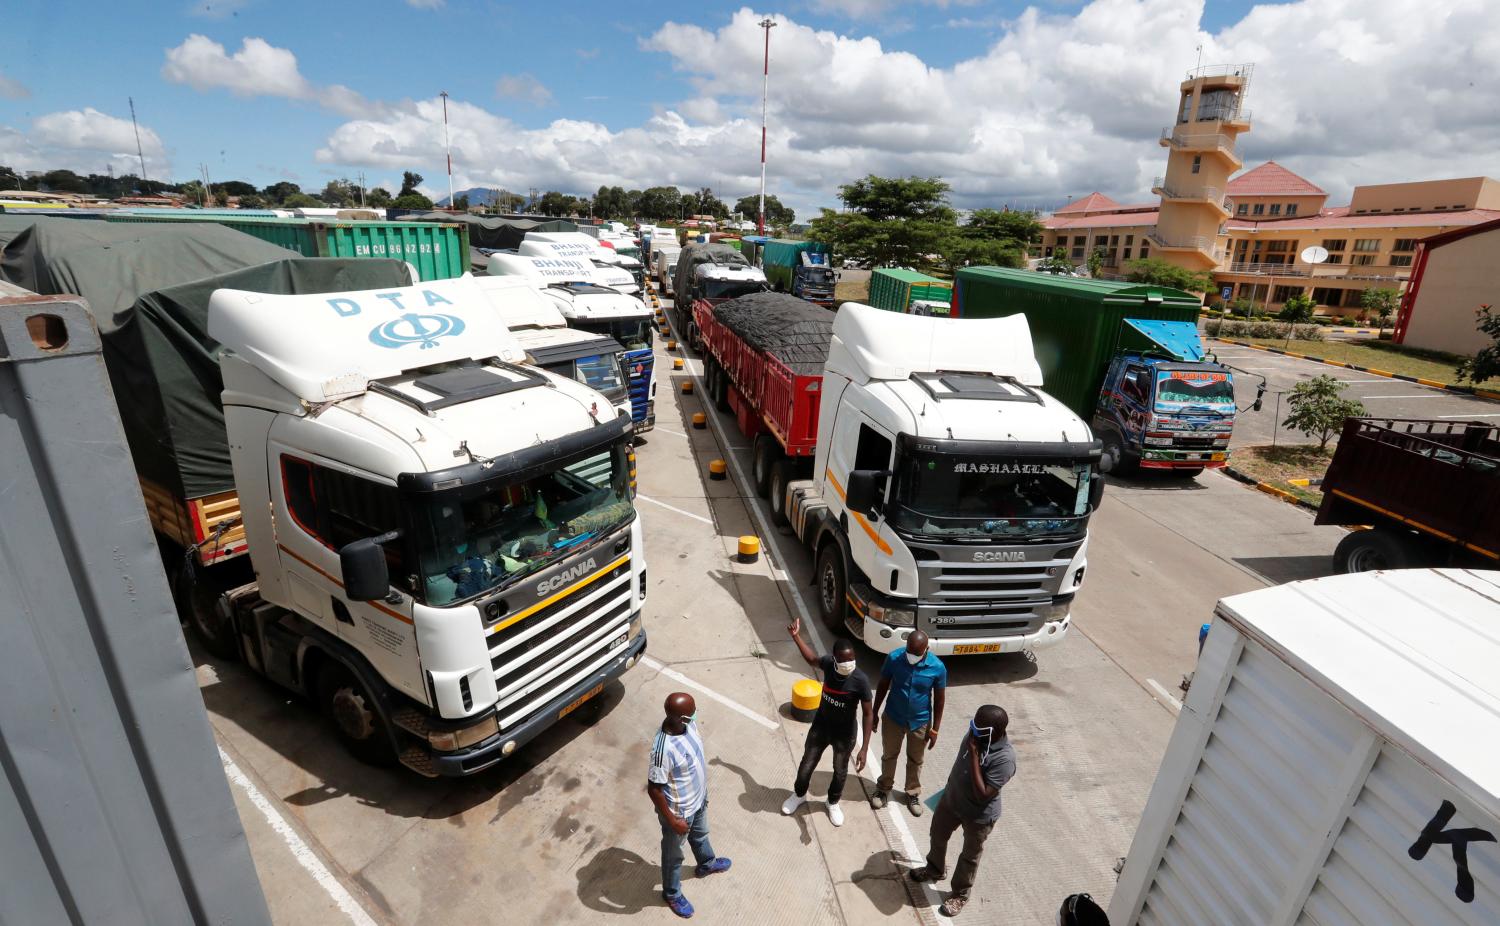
(138,152)
(1276,421)
(765,84)
(447,147)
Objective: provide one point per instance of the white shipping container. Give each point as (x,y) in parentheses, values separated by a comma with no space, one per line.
(1336,762)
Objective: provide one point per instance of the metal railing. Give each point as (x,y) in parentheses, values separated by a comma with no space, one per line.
(1221,70)
(1201,243)
(1320,271)
(1199,141)
(1208,194)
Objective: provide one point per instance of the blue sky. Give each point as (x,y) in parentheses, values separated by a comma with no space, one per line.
(571,95)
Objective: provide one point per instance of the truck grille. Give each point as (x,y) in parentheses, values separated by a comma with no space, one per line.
(638,366)
(538,658)
(990,599)
(985,621)
(990,581)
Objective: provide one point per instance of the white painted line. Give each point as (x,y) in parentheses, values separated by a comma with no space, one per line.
(1401,397)
(685,514)
(1351,382)
(730,703)
(301,851)
(1173,705)
(1469,416)
(669,431)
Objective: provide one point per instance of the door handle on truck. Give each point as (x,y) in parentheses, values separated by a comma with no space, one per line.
(341,612)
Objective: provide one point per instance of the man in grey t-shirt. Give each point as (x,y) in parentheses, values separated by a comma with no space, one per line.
(971,800)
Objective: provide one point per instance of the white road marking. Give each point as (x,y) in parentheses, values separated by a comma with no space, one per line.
(1351,382)
(685,514)
(1401,396)
(1173,705)
(301,851)
(669,431)
(1470,416)
(728,702)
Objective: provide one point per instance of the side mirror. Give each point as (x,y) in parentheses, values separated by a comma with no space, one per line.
(362,562)
(863,492)
(1096,490)
(1259,394)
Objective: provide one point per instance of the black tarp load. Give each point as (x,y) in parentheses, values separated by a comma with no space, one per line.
(793,330)
(148,288)
(695,255)
(492,233)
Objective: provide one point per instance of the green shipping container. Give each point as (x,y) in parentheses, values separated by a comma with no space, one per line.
(894,289)
(439,251)
(1075,323)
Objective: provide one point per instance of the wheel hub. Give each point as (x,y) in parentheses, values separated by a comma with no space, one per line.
(830,588)
(352,715)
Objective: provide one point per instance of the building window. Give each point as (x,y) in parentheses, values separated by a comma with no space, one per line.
(1260,209)
(1283,293)
(1404,244)
(1080,240)
(1145,251)
(1197,162)
(1126,255)
(1334,259)
(1129,240)
(1400,260)
(1334,245)
(1114,240)
(1325,296)
(1366,244)
(1242,209)
(1363,260)
(1276,208)
(1291,208)
(1279,247)
(1078,253)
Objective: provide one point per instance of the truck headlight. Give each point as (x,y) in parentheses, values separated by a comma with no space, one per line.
(896,617)
(451,740)
(1057,610)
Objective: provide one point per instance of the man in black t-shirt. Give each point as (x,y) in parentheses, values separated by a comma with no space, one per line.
(844,687)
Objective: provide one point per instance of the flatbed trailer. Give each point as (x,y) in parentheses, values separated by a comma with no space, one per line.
(1427,490)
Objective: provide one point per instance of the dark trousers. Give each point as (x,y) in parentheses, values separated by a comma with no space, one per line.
(944,822)
(812,753)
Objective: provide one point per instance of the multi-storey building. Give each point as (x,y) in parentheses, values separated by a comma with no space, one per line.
(1251,230)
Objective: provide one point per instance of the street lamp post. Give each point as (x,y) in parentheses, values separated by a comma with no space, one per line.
(766,24)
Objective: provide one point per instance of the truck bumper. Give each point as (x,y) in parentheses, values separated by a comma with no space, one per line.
(885,638)
(485,754)
(1182,459)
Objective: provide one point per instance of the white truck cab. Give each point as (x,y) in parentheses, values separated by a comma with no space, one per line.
(948,492)
(548,268)
(578,246)
(446,551)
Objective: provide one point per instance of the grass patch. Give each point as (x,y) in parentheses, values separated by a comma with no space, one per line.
(1277,466)
(1375,355)
(851,291)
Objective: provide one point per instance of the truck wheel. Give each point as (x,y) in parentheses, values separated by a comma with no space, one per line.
(780,476)
(832,587)
(765,456)
(344,701)
(1113,459)
(1365,551)
(721,391)
(201,602)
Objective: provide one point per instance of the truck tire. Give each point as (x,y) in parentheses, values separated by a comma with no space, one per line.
(781,474)
(1378,548)
(765,455)
(199,592)
(1113,459)
(832,587)
(350,708)
(721,390)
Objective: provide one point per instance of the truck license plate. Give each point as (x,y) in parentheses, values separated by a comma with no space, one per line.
(1195,456)
(969,649)
(578,702)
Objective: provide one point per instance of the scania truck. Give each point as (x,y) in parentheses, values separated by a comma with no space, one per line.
(446,554)
(578,246)
(599,309)
(917,458)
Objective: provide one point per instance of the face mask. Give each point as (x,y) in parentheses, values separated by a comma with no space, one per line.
(982,738)
(913,658)
(843,668)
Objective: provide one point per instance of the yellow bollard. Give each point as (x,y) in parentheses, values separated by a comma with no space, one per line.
(700,420)
(671,345)
(806,694)
(687,387)
(749,549)
(717,470)
(677,363)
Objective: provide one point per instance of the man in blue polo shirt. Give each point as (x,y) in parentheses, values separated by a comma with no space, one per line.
(917,683)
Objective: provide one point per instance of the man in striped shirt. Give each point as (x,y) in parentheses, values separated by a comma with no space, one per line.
(677,781)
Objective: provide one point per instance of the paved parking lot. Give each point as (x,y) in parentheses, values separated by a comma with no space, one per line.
(1382,396)
(563,831)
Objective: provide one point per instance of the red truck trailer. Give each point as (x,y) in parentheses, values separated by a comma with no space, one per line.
(1429,492)
(764,363)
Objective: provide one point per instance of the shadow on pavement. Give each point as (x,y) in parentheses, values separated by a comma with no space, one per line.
(1164,480)
(881,880)
(618,881)
(1279,569)
(997,669)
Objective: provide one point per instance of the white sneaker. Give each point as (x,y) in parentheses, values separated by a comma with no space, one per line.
(835,815)
(790,805)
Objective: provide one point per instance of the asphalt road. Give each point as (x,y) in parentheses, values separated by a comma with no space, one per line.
(1381,396)
(563,832)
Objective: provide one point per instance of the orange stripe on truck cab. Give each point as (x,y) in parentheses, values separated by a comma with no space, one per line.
(839,490)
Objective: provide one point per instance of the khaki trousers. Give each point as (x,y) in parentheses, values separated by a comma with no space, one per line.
(892,736)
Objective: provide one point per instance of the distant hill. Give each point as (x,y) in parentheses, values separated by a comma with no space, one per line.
(478,196)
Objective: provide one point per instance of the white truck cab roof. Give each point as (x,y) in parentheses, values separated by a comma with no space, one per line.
(545,270)
(520,302)
(572,244)
(723,272)
(584,301)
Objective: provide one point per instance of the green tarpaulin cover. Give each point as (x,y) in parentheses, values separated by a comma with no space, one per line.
(148,287)
(493,232)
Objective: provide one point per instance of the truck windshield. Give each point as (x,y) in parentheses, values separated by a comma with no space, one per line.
(480,538)
(633,333)
(821,276)
(949,495)
(1179,389)
(730,289)
(600,371)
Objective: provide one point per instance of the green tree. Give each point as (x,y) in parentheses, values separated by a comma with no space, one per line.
(252,201)
(340,193)
(777,215)
(553,203)
(410,180)
(64,181)
(279,191)
(9,179)
(378,198)
(892,221)
(704,202)
(1023,228)
(461,202)
(962,251)
(1318,410)
(302,201)
(1380,303)
(1298,310)
(1484,365)
(411,201)
(237,188)
(660,203)
(1057,263)
(221,197)
(194,192)
(1095,262)
(1157,271)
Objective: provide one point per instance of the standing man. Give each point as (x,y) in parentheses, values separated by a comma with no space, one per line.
(917,683)
(985,763)
(677,781)
(844,686)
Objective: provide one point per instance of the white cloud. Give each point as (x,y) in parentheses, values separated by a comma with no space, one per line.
(425,4)
(1344,92)
(523,87)
(84,140)
(257,69)
(860,9)
(12,89)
